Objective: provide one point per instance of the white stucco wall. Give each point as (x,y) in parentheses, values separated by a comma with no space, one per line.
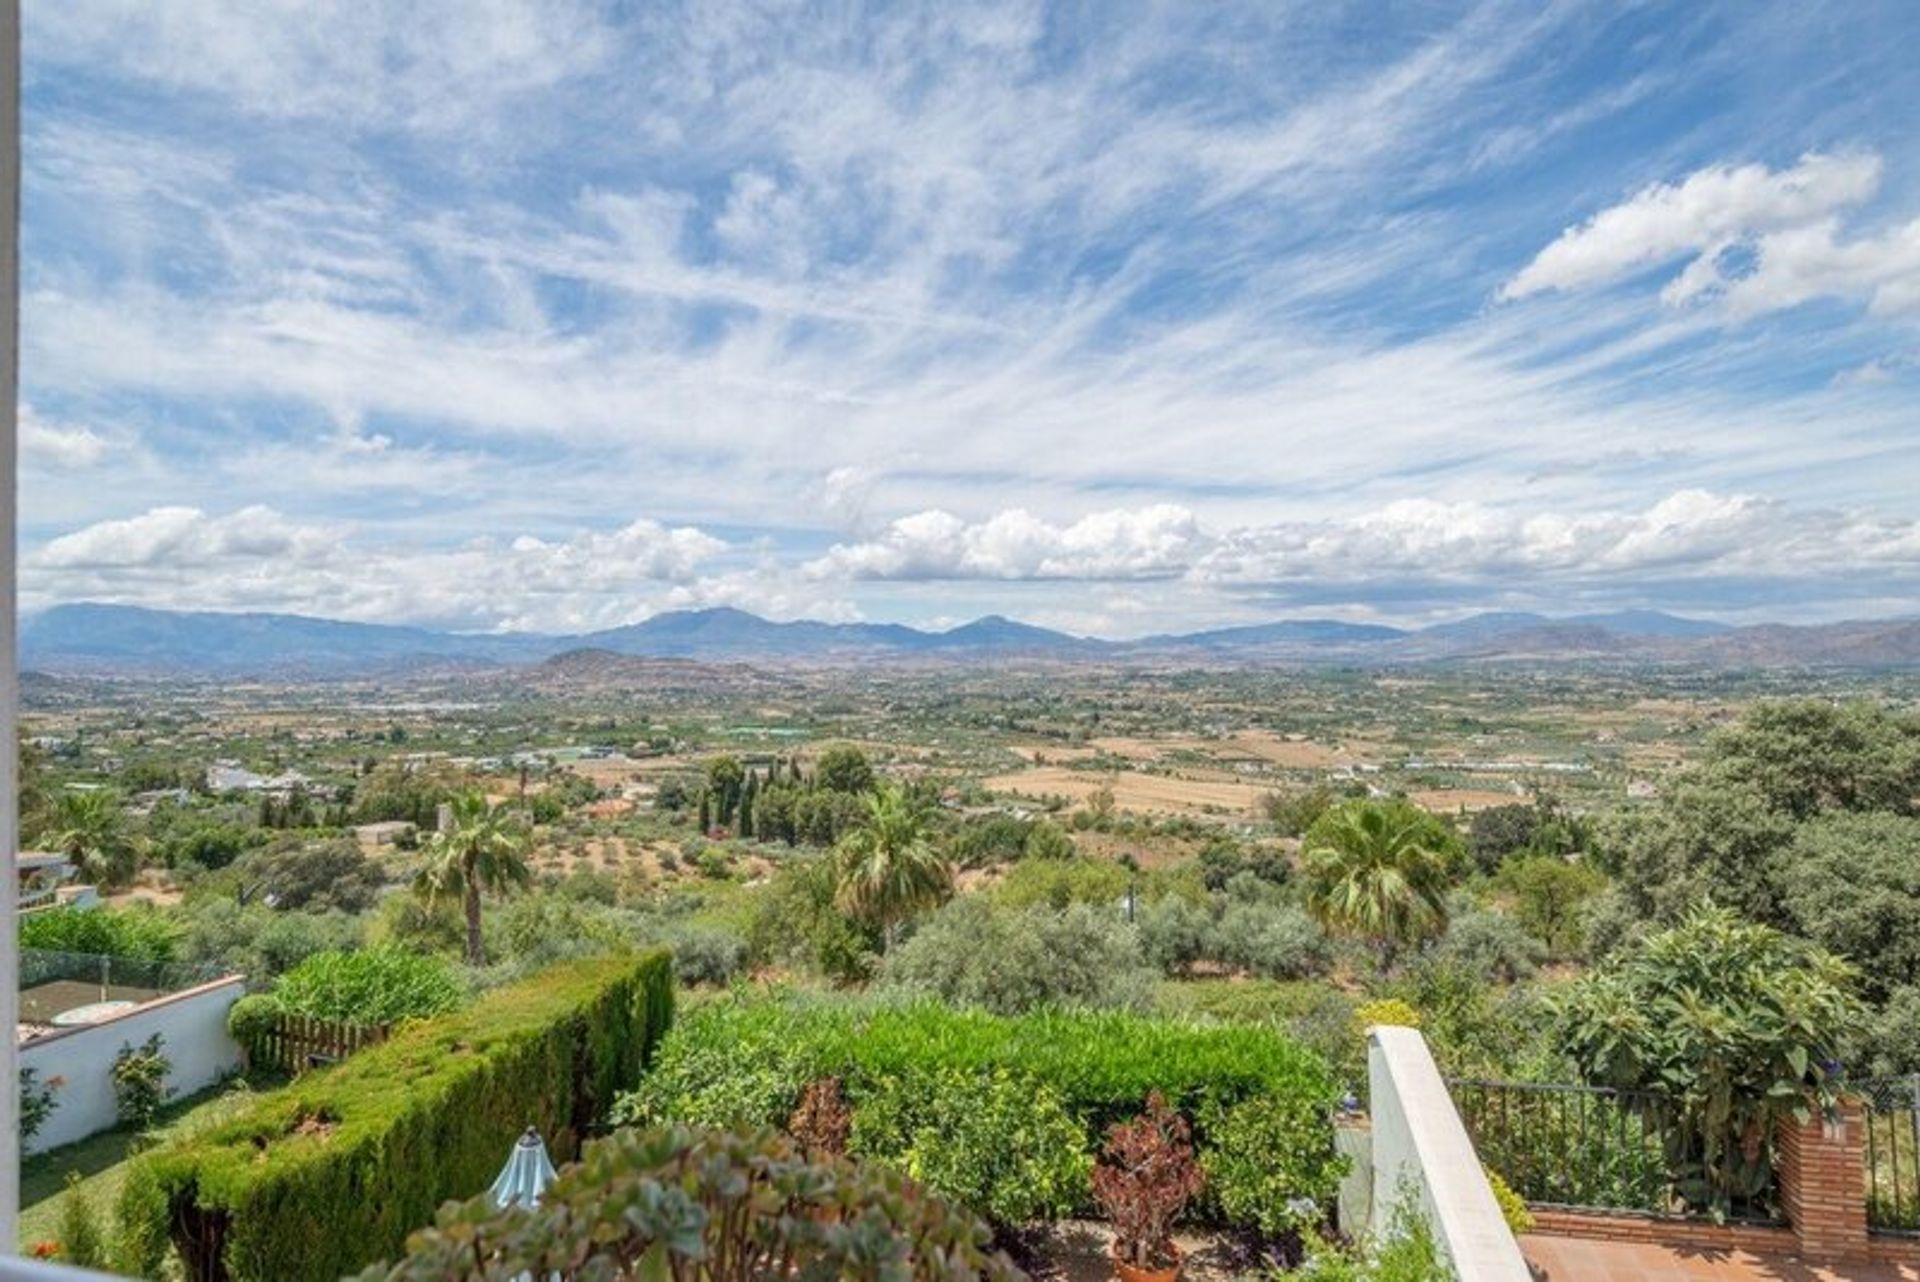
(194,1023)
(1421,1148)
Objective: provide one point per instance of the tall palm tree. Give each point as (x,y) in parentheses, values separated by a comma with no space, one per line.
(482,850)
(889,870)
(90,829)
(1379,871)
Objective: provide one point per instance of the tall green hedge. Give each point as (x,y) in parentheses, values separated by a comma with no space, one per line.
(315,1180)
(742,1060)
(1005,1114)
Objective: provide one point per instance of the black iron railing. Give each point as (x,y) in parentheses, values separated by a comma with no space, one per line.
(1572,1146)
(1892,1114)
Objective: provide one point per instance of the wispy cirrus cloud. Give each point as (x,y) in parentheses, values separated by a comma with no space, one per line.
(1164,298)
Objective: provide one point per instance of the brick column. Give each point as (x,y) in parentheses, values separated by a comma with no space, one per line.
(1823,1185)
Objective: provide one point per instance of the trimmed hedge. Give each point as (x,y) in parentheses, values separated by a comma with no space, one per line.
(918,1068)
(316,1179)
(742,1060)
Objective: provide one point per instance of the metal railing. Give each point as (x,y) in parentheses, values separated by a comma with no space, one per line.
(1572,1146)
(1891,1109)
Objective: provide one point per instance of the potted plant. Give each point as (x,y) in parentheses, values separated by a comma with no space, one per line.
(1145,1179)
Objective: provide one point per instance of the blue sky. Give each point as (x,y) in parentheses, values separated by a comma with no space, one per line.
(1115,317)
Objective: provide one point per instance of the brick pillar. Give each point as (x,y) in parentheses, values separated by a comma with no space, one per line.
(1823,1183)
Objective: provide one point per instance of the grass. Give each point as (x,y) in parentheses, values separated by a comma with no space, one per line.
(101,1160)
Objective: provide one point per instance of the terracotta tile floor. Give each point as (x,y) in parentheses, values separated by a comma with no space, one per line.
(1561,1259)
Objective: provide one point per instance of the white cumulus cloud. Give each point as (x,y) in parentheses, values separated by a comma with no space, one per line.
(1707,212)
(58,445)
(1145,543)
(1757,239)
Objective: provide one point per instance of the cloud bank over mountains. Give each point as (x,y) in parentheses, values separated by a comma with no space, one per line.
(1123,319)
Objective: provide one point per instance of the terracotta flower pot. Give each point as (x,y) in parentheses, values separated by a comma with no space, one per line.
(1130,1272)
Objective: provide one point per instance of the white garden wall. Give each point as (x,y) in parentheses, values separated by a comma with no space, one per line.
(1421,1150)
(194,1023)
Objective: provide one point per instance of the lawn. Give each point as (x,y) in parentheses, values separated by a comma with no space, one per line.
(101,1160)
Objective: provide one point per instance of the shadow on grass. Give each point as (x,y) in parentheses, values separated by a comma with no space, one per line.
(100,1159)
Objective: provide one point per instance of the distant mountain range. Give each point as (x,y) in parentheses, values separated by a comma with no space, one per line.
(116,639)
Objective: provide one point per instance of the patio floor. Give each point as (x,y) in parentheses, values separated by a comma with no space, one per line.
(1562,1259)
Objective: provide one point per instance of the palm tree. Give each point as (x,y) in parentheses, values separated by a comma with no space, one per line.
(90,829)
(1379,871)
(889,870)
(483,849)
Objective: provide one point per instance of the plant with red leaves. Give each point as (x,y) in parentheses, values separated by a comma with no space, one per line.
(1145,1179)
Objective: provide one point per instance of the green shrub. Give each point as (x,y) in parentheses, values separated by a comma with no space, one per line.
(1489,945)
(259,942)
(139,934)
(1175,933)
(707,954)
(1405,1252)
(1272,941)
(82,1244)
(686,1204)
(1056,883)
(36,1101)
(1001,1144)
(372,986)
(1735,1025)
(743,1060)
(1271,1164)
(140,1082)
(312,1180)
(972,953)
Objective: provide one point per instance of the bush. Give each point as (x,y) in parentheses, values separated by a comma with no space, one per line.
(971,953)
(1047,840)
(140,1082)
(1145,1179)
(1001,1144)
(674,1202)
(374,986)
(260,943)
(1490,945)
(82,1244)
(707,954)
(796,922)
(36,1102)
(741,1061)
(1056,883)
(311,1180)
(1272,941)
(138,934)
(994,839)
(1405,1252)
(1271,1164)
(1175,933)
(1736,1023)
(1550,895)
(1292,813)
(312,875)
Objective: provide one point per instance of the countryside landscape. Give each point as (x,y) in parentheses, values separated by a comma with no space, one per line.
(1160,846)
(984,641)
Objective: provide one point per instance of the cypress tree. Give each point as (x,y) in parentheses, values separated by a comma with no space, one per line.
(747,793)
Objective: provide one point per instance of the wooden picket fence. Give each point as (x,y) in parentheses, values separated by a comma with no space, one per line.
(296,1043)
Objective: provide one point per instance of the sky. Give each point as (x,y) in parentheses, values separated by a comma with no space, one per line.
(1118,318)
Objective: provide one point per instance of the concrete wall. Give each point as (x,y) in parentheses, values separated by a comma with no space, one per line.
(194,1023)
(1421,1151)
